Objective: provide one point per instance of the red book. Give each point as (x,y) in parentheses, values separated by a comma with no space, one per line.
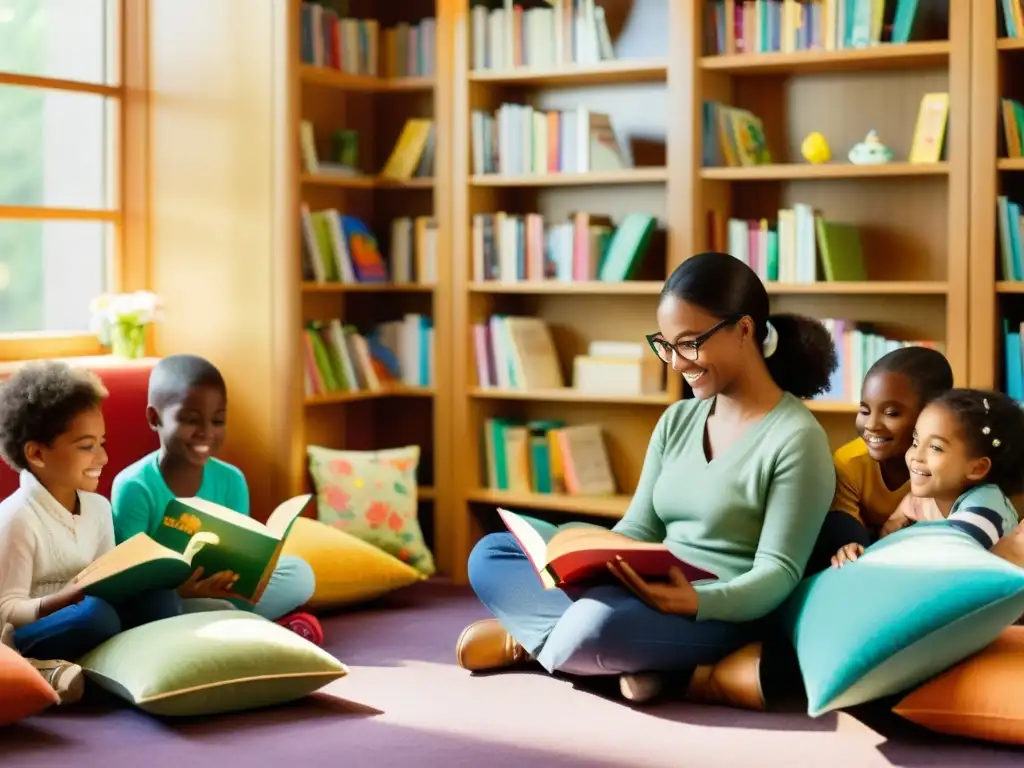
(579,552)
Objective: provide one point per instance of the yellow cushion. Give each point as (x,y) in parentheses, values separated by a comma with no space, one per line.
(347,569)
(979,698)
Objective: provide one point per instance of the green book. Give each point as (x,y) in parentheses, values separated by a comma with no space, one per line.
(139,565)
(245,552)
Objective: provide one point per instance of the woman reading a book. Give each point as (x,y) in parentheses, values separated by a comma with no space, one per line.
(736,481)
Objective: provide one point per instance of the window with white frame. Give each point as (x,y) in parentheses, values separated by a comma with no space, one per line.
(60,167)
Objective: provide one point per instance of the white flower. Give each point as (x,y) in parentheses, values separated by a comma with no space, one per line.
(138,308)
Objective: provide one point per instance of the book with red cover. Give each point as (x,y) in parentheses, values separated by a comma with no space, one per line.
(580,552)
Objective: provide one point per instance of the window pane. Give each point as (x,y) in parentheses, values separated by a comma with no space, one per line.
(64,39)
(50,271)
(56,148)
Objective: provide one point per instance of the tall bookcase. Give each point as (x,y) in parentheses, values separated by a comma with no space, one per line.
(997,63)
(376,107)
(913,218)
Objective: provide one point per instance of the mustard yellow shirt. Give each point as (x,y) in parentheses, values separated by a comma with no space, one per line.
(860,489)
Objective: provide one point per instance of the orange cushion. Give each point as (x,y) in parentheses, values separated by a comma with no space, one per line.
(23,691)
(979,698)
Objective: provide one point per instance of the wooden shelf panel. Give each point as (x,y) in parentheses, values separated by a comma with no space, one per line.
(828,406)
(570,395)
(1009,286)
(332,78)
(1010,163)
(559,288)
(606,73)
(906,56)
(597,506)
(308,287)
(335,398)
(362,182)
(796,171)
(629,176)
(425,493)
(1010,44)
(869,288)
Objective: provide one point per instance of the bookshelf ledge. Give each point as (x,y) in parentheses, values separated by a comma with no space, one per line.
(333,78)
(605,73)
(595,287)
(364,182)
(868,288)
(1010,164)
(570,395)
(368,394)
(598,506)
(787,171)
(629,176)
(310,287)
(831,406)
(1010,44)
(1010,286)
(425,493)
(886,56)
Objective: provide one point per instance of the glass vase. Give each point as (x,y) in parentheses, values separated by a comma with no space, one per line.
(128,340)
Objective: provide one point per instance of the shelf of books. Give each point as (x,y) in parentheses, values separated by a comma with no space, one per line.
(997,197)
(370,153)
(830,152)
(560,249)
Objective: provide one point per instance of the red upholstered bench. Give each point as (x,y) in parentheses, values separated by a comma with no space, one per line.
(128,435)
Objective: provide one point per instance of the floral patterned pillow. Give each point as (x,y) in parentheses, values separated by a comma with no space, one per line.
(372,495)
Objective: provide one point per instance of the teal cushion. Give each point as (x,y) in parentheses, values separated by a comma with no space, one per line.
(914,604)
(209,663)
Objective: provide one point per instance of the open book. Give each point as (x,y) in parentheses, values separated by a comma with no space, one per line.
(195,533)
(580,553)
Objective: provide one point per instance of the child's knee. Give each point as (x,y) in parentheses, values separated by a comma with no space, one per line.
(299,576)
(98,619)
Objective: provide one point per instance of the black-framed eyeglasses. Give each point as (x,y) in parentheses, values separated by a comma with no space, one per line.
(688,349)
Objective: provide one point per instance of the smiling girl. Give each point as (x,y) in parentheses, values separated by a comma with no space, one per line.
(966,454)
(872,478)
(52,432)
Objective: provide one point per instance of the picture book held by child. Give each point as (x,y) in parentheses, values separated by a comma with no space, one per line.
(195,537)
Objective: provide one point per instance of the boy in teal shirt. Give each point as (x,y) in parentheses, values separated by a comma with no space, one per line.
(188,410)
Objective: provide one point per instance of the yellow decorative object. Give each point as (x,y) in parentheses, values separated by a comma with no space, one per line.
(347,569)
(815,149)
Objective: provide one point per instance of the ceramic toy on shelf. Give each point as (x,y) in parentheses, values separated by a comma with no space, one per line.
(815,149)
(871,151)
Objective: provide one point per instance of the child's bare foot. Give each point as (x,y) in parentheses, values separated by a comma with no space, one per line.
(304,625)
(67,679)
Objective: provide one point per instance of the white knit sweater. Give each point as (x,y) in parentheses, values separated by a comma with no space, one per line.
(43,546)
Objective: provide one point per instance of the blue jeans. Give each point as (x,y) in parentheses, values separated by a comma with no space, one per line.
(603,630)
(74,631)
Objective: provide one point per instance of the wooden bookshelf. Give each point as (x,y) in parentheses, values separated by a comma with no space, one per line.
(912,217)
(996,70)
(377,107)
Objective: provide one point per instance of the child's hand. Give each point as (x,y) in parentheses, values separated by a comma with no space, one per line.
(847,554)
(219,585)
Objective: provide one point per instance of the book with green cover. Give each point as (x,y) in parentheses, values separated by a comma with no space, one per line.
(247,549)
(139,565)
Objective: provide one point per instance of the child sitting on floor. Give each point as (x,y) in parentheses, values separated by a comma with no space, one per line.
(872,479)
(188,410)
(52,432)
(967,455)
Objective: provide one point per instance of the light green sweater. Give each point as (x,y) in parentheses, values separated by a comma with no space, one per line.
(751,516)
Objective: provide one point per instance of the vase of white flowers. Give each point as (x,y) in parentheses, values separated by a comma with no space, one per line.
(120,321)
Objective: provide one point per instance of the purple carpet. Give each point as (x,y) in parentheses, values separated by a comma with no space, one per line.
(407,704)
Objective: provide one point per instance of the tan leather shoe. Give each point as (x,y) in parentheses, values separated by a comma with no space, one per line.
(485,645)
(735,681)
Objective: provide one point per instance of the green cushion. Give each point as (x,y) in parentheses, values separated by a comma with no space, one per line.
(208,663)
(914,604)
